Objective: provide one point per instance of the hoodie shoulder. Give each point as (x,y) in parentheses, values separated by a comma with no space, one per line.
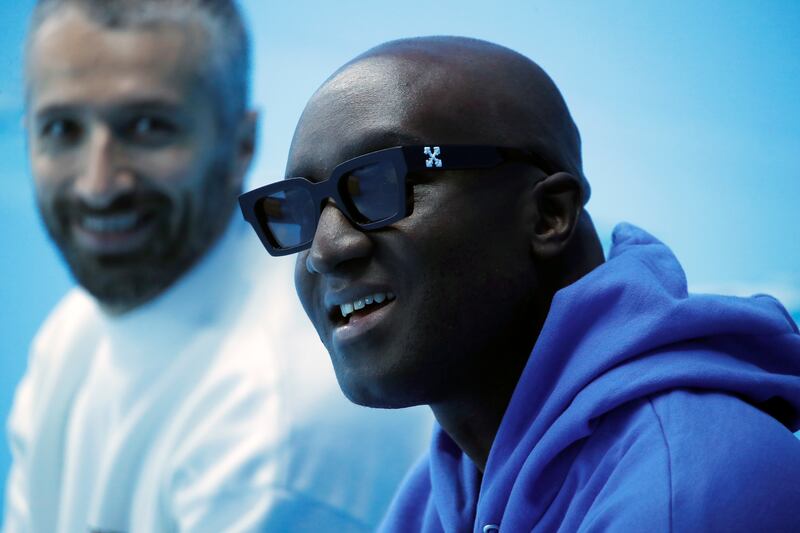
(732,467)
(686,460)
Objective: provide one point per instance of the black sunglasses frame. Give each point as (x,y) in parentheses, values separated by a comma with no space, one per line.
(404,159)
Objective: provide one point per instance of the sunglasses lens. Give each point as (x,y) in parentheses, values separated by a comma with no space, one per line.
(372,191)
(288,216)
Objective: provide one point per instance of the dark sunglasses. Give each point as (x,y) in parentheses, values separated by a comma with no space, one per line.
(370,190)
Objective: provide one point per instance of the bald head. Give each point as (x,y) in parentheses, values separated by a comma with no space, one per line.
(446,90)
(478,253)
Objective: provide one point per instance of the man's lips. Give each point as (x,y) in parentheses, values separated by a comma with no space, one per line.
(359,325)
(112,232)
(354,311)
(356,300)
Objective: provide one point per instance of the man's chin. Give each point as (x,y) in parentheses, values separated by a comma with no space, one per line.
(379,393)
(119,288)
(124,279)
(122,282)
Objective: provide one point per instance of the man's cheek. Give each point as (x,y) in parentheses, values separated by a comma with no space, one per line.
(305,295)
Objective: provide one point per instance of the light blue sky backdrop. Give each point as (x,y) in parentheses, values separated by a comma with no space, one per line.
(689,113)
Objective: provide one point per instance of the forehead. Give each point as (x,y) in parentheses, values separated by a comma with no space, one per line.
(74,61)
(384,102)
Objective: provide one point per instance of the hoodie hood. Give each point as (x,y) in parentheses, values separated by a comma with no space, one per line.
(627,330)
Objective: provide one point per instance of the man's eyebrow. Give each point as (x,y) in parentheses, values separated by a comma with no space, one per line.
(375,141)
(55,109)
(389,139)
(152,104)
(149,103)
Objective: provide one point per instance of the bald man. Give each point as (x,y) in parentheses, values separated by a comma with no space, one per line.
(446,258)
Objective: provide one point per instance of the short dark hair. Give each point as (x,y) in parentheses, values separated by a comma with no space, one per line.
(229,62)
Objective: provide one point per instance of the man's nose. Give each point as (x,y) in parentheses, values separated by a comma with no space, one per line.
(336,242)
(101,178)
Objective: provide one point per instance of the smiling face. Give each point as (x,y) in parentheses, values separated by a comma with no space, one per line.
(133,178)
(458,274)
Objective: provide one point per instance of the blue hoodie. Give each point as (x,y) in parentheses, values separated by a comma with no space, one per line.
(641,408)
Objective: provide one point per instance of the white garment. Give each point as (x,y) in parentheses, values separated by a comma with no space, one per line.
(213,408)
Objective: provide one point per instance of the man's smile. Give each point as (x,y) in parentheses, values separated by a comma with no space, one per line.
(113,232)
(367,304)
(356,310)
(360,323)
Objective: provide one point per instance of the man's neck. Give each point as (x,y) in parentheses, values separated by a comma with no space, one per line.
(472,423)
(472,418)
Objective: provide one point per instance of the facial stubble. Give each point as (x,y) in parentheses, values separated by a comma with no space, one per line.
(121,282)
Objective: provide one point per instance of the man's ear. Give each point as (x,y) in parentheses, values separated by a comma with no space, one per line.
(554,210)
(245,147)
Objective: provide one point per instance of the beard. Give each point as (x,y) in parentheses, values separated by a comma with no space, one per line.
(183,229)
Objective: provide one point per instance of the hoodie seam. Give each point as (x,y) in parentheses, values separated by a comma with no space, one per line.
(669,457)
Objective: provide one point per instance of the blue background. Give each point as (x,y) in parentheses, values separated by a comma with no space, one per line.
(689,113)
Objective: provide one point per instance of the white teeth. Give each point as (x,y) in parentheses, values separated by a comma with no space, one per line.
(110,223)
(378,297)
